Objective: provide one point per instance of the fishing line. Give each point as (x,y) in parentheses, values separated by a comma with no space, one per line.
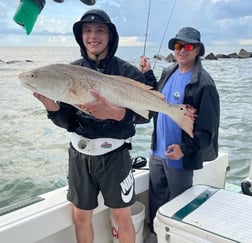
(166,28)
(147,27)
(107,4)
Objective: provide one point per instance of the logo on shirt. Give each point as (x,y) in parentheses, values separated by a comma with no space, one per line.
(176,95)
(127,188)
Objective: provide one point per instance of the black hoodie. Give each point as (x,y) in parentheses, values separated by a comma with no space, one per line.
(74,120)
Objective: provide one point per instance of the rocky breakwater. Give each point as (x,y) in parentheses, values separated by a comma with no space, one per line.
(211,56)
(241,54)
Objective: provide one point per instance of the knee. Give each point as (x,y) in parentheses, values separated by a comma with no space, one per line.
(82,217)
(123,222)
(122,219)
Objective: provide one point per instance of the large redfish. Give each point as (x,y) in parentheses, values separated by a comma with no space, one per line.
(71,84)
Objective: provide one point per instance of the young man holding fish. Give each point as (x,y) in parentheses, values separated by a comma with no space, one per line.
(174,154)
(99,159)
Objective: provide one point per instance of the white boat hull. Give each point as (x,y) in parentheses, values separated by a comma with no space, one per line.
(50,220)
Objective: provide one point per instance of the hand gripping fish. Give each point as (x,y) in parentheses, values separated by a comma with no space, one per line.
(71,84)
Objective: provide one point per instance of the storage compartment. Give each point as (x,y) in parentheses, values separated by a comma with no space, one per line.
(205,214)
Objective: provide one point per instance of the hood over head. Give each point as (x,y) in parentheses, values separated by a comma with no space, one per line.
(96,16)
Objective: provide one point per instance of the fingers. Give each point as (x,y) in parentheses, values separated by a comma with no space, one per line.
(41,97)
(96,94)
(36,95)
(144,65)
(48,103)
(95,105)
(170,149)
(174,152)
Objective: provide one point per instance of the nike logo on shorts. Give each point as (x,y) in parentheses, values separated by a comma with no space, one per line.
(127,188)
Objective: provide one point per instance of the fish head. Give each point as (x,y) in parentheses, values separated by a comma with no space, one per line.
(47,81)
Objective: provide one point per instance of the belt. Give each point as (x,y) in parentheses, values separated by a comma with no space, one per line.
(97,146)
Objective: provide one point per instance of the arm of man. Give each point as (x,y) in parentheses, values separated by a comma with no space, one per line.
(61,114)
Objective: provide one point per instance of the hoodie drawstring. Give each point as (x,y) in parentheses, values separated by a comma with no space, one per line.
(89,164)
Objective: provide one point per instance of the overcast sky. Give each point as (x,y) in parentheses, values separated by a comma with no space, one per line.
(221,22)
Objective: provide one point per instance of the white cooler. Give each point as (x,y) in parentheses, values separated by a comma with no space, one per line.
(205,214)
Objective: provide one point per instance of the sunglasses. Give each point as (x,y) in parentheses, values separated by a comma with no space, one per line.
(187,47)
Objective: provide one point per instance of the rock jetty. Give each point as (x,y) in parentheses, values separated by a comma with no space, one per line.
(211,56)
(242,54)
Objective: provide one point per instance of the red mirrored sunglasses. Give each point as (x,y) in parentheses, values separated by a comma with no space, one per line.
(187,47)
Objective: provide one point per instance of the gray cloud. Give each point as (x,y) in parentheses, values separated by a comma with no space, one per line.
(227,21)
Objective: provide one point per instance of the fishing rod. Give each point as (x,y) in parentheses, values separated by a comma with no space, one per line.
(147,27)
(107,4)
(166,28)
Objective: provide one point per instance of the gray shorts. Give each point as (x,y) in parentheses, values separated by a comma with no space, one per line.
(110,173)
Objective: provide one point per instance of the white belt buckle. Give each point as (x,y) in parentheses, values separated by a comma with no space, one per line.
(85,144)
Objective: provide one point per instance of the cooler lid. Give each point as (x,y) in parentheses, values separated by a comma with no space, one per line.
(217,211)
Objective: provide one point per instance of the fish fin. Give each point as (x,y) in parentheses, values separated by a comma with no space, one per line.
(138,84)
(76,96)
(142,113)
(158,94)
(73,94)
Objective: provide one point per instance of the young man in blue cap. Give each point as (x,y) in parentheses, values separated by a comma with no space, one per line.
(174,154)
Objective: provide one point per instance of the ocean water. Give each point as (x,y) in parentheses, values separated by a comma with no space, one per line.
(33,151)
